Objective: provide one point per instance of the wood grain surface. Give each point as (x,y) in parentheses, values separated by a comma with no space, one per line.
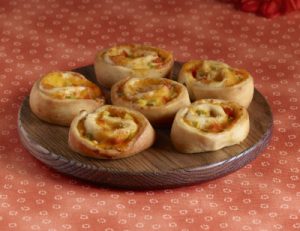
(160,166)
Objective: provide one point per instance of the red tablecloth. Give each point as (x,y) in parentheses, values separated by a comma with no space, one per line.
(38,36)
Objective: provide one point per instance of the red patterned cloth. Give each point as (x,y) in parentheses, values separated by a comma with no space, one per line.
(38,36)
(269,8)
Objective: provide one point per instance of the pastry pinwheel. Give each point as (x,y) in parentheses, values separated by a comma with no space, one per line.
(207,79)
(209,125)
(110,132)
(157,98)
(118,62)
(59,96)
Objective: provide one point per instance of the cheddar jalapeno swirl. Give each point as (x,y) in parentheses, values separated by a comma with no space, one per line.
(59,96)
(110,132)
(116,63)
(212,79)
(208,125)
(157,98)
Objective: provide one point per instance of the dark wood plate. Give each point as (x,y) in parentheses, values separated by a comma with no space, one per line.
(160,166)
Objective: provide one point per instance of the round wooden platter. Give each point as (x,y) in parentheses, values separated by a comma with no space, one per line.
(160,166)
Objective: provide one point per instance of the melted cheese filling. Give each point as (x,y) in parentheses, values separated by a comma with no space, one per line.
(218,74)
(68,85)
(134,57)
(149,92)
(209,117)
(109,129)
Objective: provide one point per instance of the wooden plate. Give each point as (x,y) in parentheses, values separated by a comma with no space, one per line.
(161,166)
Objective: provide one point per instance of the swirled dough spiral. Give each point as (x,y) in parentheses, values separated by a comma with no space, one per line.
(110,132)
(59,96)
(209,125)
(207,79)
(118,62)
(157,98)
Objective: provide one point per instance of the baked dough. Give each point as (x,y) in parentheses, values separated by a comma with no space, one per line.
(59,96)
(157,98)
(110,132)
(122,61)
(206,79)
(209,125)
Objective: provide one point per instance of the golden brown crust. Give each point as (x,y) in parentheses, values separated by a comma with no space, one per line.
(227,123)
(111,70)
(57,110)
(224,82)
(160,107)
(142,138)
